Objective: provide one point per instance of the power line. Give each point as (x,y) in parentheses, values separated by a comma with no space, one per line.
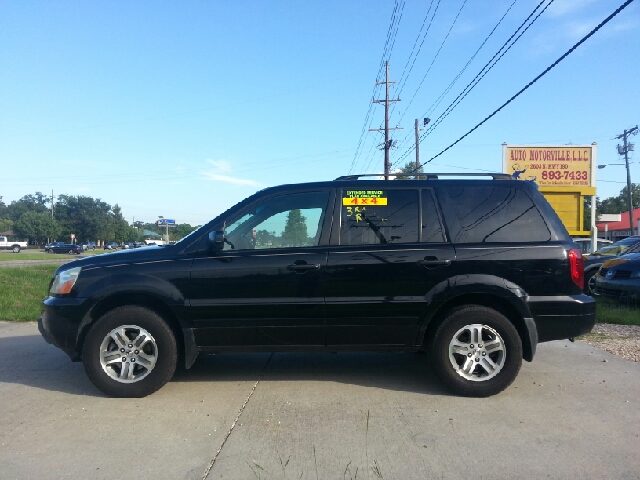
(549,68)
(395,20)
(437,102)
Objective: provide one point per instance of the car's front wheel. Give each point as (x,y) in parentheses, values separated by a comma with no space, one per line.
(130,352)
(476,351)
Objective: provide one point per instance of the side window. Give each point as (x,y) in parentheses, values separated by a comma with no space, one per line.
(379,216)
(497,214)
(279,222)
(431,226)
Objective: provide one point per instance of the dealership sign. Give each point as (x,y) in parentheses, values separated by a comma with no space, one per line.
(564,174)
(562,166)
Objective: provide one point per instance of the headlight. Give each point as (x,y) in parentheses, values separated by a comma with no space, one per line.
(64,281)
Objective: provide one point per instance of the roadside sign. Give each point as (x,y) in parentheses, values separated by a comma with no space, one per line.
(564,174)
(166,222)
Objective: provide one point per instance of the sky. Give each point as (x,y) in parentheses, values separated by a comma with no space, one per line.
(182,109)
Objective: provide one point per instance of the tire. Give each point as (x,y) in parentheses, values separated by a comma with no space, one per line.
(470,368)
(71,252)
(153,365)
(590,283)
(15,249)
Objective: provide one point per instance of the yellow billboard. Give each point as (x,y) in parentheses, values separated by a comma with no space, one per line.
(565,174)
(560,166)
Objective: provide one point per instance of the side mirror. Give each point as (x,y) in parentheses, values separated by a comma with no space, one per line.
(216,240)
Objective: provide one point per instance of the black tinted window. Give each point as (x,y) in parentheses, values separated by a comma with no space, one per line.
(497,214)
(431,227)
(379,216)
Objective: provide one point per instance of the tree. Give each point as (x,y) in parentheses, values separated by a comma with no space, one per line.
(28,203)
(5,224)
(411,168)
(36,227)
(295,230)
(88,218)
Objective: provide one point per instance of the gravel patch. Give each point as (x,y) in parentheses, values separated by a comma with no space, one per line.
(620,340)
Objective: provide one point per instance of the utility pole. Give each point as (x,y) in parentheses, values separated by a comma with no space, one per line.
(626,148)
(425,123)
(387,141)
(52,203)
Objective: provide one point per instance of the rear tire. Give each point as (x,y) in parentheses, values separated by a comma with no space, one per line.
(476,351)
(15,249)
(130,352)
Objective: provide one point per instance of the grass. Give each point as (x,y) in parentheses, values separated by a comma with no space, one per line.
(610,311)
(22,291)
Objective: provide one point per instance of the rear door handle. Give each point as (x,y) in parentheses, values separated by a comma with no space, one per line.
(433,262)
(303,267)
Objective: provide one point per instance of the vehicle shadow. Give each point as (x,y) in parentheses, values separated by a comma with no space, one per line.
(30,361)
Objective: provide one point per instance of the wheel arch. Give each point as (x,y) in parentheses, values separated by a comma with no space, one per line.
(144,300)
(498,303)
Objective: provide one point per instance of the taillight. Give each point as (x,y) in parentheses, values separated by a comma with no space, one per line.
(576,267)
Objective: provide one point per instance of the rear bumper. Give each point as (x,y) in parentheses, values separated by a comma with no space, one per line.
(560,317)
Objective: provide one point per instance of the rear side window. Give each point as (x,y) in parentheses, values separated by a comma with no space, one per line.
(376,217)
(497,214)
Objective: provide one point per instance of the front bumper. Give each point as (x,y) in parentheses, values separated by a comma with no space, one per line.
(613,288)
(560,317)
(61,322)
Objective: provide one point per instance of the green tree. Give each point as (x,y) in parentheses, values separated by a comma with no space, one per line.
(89,219)
(295,230)
(29,203)
(5,224)
(411,169)
(36,227)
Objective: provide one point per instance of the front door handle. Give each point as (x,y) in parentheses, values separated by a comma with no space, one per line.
(303,267)
(430,262)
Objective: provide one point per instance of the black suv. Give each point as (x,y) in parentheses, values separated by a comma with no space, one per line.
(476,272)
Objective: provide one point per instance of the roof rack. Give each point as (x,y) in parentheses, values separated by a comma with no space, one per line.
(430,176)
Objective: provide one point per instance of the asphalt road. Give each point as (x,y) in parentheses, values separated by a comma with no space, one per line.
(572,413)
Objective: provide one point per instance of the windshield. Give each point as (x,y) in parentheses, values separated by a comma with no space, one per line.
(618,248)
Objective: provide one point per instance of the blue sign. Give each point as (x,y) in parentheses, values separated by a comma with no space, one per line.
(166,221)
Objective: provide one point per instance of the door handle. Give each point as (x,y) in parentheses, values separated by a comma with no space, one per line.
(433,262)
(303,267)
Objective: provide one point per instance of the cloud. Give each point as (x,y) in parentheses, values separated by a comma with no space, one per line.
(221,171)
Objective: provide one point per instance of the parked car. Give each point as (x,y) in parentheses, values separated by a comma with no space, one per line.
(475,272)
(620,279)
(15,247)
(585,244)
(594,261)
(59,247)
(110,246)
(88,245)
(49,247)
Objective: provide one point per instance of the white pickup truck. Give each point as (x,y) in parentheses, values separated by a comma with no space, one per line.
(15,247)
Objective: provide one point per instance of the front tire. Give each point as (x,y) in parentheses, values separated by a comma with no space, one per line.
(130,352)
(476,351)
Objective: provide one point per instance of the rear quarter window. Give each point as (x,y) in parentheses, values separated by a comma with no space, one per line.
(490,214)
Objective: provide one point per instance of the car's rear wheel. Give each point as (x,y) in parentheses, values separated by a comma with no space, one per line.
(15,249)
(130,352)
(476,351)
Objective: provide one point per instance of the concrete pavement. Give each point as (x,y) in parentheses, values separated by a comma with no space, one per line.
(569,414)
